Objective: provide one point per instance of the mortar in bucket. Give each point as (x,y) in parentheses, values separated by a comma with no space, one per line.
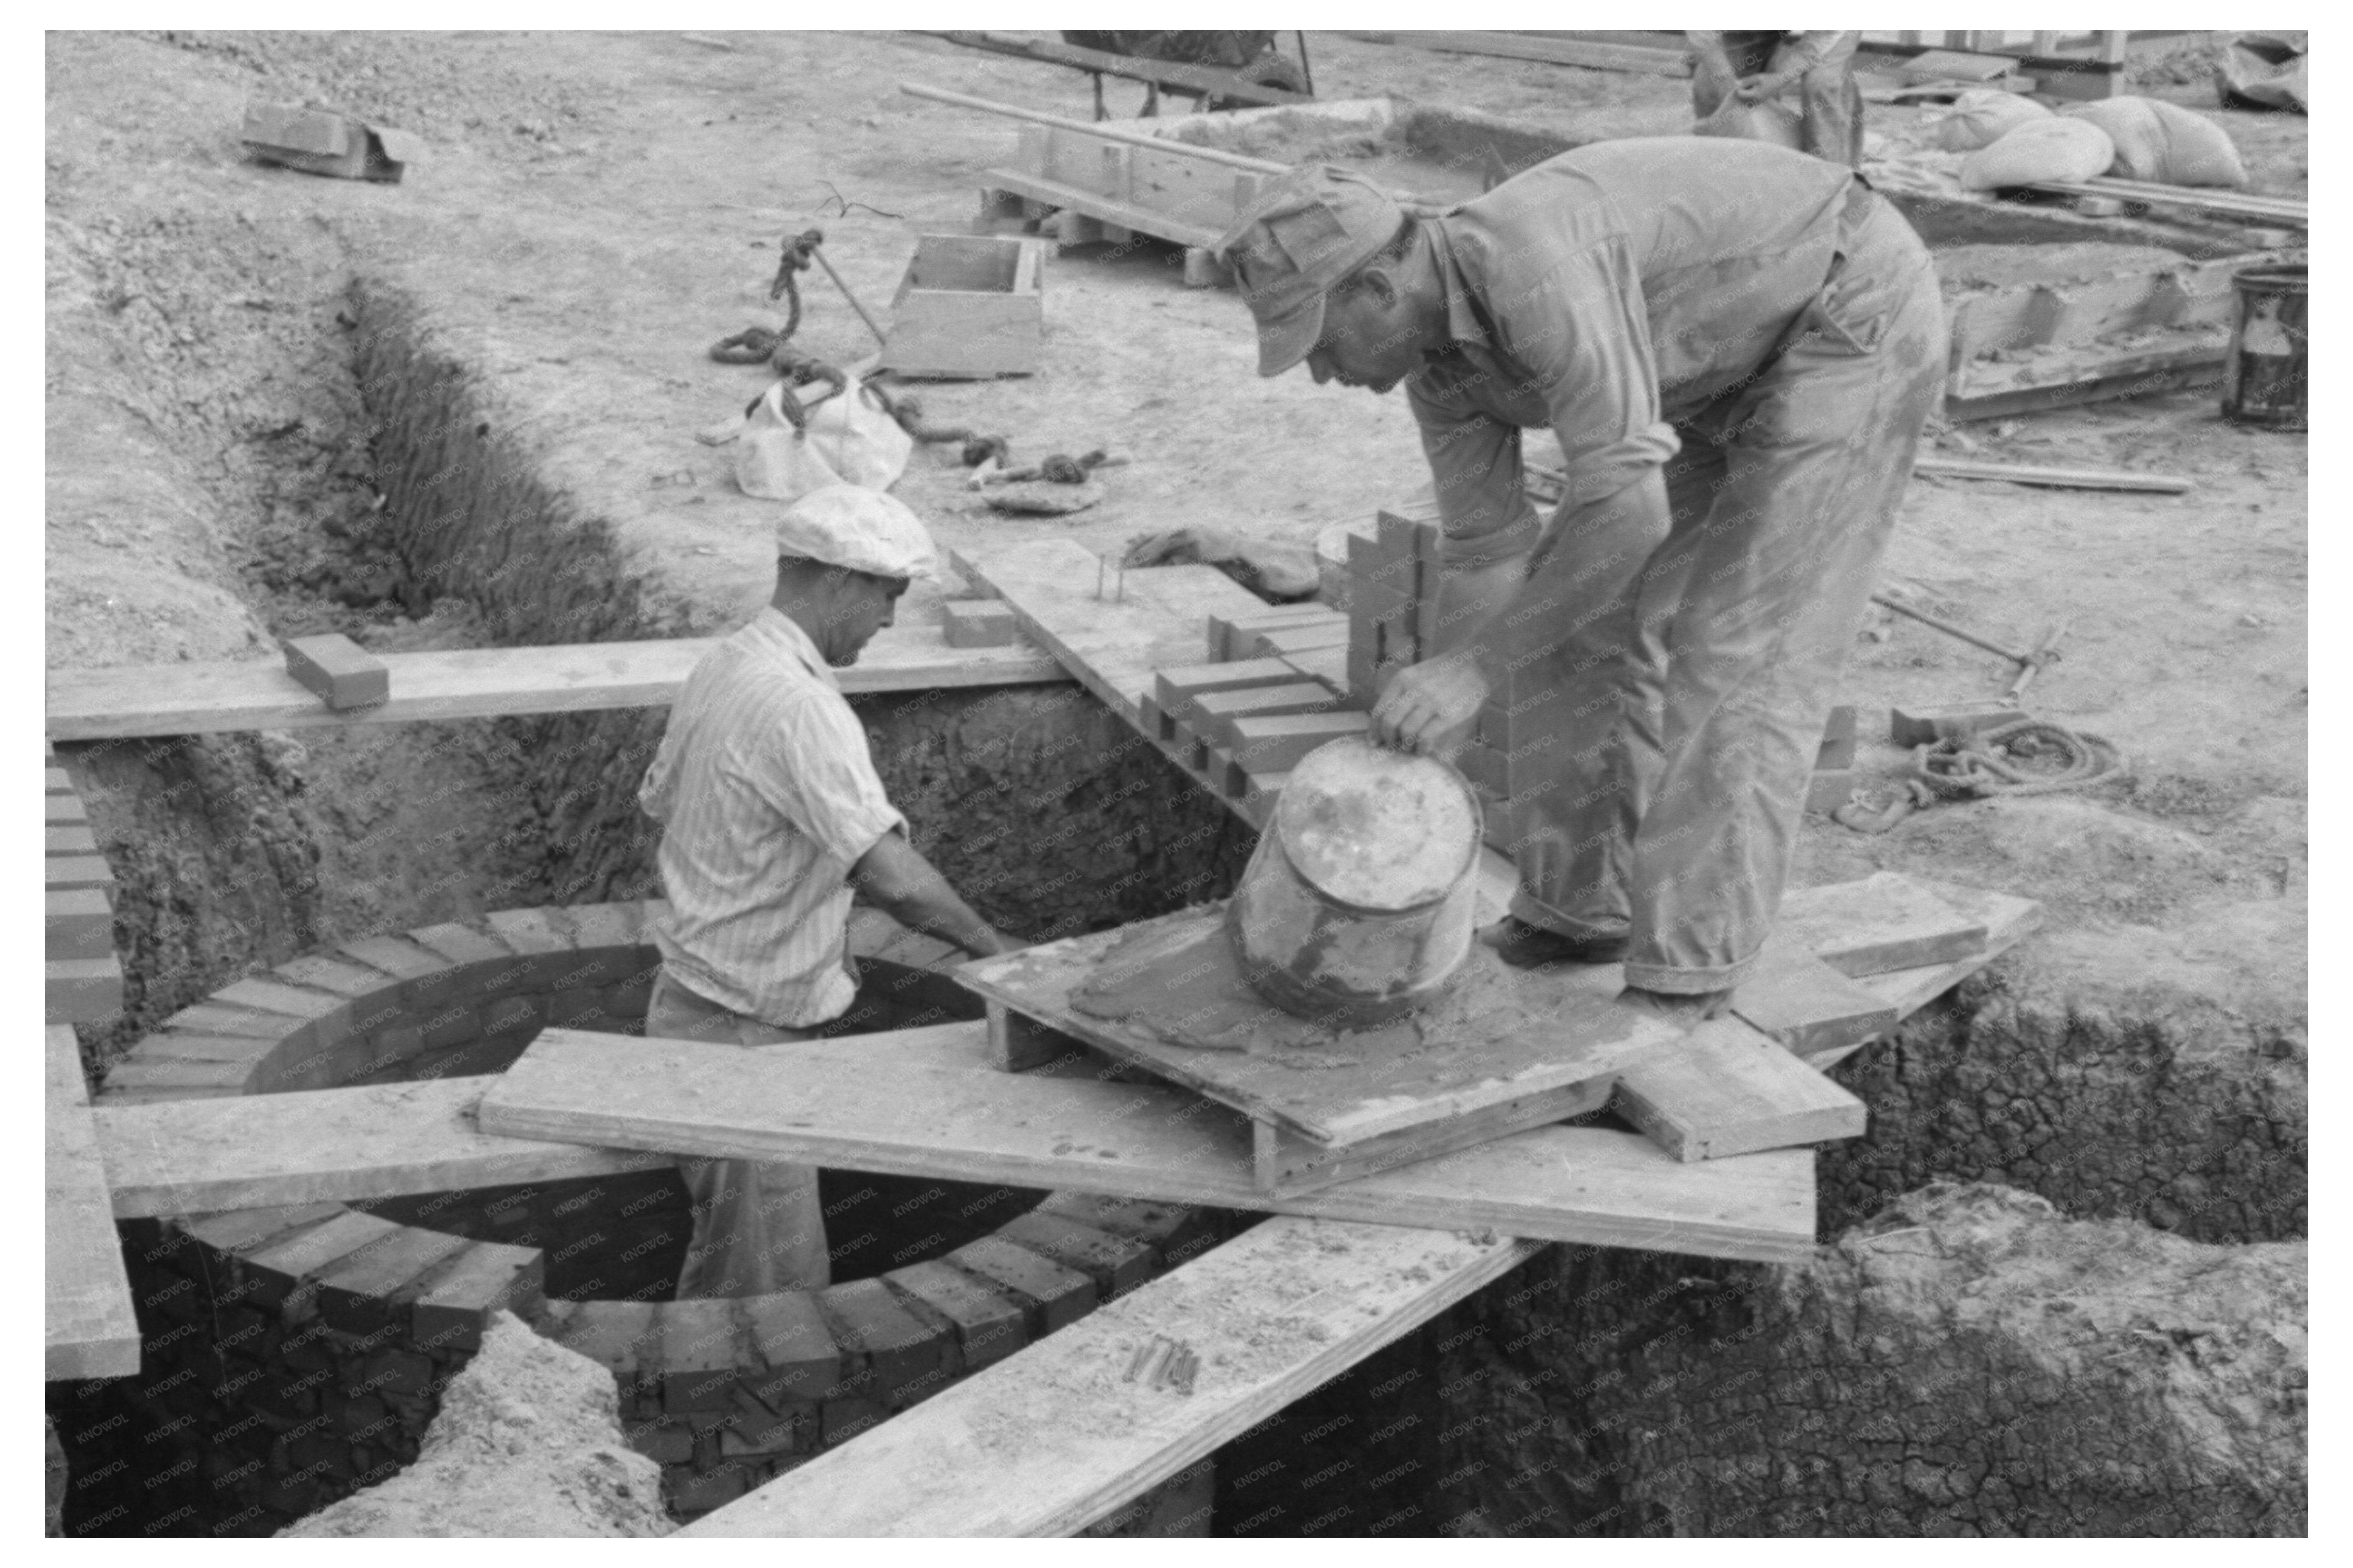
(2266,379)
(1358,906)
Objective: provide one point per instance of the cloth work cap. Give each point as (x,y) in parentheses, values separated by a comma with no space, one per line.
(863,529)
(1313,227)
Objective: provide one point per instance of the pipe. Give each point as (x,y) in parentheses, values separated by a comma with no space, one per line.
(1162,143)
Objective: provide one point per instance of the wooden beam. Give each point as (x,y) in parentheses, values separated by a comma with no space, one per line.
(1550,51)
(2294,210)
(330,1145)
(1202,79)
(2059,478)
(1729,1091)
(927,1102)
(1054,1438)
(89,1326)
(472,683)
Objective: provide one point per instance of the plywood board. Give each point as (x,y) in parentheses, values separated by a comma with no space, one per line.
(1577,1032)
(1886,921)
(1726,1090)
(1054,1438)
(89,1327)
(927,1102)
(331,1145)
(472,683)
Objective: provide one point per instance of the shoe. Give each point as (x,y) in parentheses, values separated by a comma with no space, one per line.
(1686,1010)
(1523,946)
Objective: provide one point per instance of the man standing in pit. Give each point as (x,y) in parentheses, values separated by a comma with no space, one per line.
(771,812)
(1736,346)
(1758,67)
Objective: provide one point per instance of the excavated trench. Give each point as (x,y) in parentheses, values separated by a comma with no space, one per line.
(2100,1333)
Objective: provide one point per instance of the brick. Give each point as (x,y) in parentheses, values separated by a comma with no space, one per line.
(566,1008)
(621,923)
(1828,789)
(1054,1295)
(1273,744)
(57,781)
(455,1304)
(1917,725)
(1307,637)
(339,977)
(530,930)
(178,1047)
(702,1490)
(988,1325)
(700,1351)
(1837,739)
(797,1350)
(1117,1264)
(524,1012)
(362,1419)
(901,1348)
(133,1072)
(343,673)
(324,1458)
(286,1272)
(1211,715)
(1172,689)
(68,841)
(63,871)
(271,997)
(240,1231)
(394,1373)
(664,1442)
(1158,1224)
(396,956)
(451,1026)
(846,1416)
(81,990)
(977,623)
(63,809)
(621,1336)
(211,1018)
(461,944)
(357,1294)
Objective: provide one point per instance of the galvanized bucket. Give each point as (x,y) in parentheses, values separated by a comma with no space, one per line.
(1358,904)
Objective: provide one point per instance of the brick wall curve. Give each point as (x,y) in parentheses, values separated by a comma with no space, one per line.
(298,1352)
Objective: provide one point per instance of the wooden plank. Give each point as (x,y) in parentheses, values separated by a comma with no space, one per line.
(1572,1029)
(2007,921)
(472,683)
(2283,211)
(1885,922)
(340,1145)
(1286,1163)
(1806,1007)
(1075,199)
(2073,376)
(1148,619)
(2057,477)
(925,1102)
(1053,1438)
(1188,78)
(1550,51)
(1730,1090)
(2081,312)
(89,1327)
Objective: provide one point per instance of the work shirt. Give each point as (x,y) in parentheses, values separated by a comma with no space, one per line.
(1607,293)
(767,796)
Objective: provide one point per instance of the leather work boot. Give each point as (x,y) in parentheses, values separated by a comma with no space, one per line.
(1684,1011)
(1523,946)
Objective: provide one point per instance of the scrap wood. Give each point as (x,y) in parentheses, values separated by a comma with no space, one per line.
(1204,80)
(2055,478)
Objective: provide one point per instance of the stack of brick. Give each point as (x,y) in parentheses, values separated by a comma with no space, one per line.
(83,982)
(727,1395)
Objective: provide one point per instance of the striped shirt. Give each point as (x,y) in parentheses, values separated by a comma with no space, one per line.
(767,796)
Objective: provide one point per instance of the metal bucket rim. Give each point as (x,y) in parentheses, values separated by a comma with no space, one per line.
(2284,277)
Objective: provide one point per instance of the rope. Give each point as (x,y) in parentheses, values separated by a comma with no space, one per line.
(1980,765)
(908,410)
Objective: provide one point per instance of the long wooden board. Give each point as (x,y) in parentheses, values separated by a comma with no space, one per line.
(927,1102)
(1577,1032)
(1054,1438)
(472,683)
(1166,73)
(89,1326)
(329,1145)
(1550,50)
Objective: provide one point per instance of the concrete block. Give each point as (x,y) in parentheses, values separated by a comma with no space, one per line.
(977,623)
(700,1351)
(454,1304)
(1837,739)
(1053,1295)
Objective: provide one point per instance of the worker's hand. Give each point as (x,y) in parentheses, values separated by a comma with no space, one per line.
(1430,706)
(1757,88)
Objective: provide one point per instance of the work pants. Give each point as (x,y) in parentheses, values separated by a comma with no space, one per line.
(758,1223)
(1830,102)
(1672,713)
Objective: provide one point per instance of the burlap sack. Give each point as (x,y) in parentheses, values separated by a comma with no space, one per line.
(1766,122)
(2163,141)
(2056,148)
(849,441)
(1981,116)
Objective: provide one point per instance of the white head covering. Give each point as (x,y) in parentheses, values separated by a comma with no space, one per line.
(863,529)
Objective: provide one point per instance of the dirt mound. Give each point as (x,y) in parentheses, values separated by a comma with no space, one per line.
(528,1442)
(1969,1363)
